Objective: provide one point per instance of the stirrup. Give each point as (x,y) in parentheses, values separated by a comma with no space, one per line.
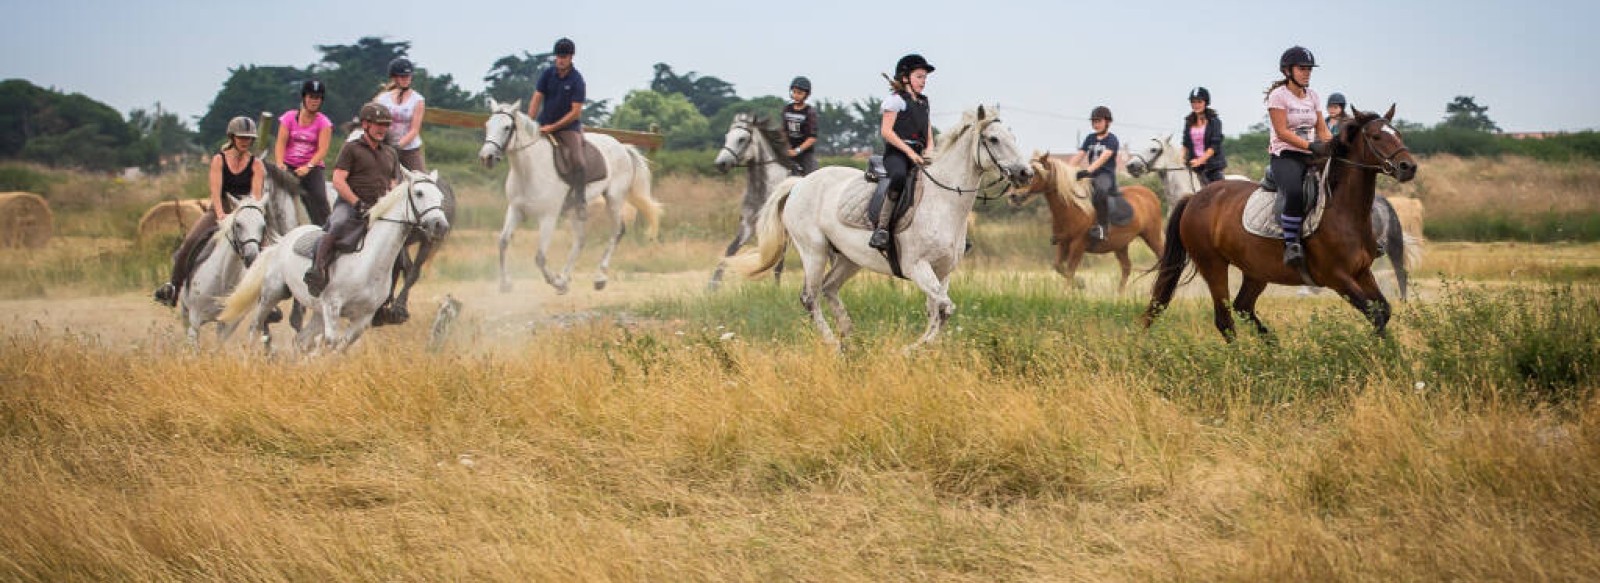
(1097,233)
(1294,254)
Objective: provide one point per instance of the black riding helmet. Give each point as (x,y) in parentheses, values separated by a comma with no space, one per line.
(1297,56)
(1201,94)
(564,47)
(910,63)
(1337,99)
(313,87)
(1100,112)
(400,67)
(802,84)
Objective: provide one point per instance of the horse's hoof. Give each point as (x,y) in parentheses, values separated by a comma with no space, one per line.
(561,289)
(399,315)
(599,284)
(505,287)
(713,285)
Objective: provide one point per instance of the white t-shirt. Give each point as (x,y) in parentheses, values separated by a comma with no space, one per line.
(894,103)
(403,116)
(1302,114)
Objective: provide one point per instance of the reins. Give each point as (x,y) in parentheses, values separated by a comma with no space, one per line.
(980,188)
(1161,151)
(510,135)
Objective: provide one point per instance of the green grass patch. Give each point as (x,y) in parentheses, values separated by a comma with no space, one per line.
(1532,228)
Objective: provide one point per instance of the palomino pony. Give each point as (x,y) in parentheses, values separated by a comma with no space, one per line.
(1071,218)
(226,256)
(808,211)
(749,143)
(358,282)
(534,188)
(1339,254)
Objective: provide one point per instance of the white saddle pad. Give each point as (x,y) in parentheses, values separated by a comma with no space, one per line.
(1261,215)
(306,245)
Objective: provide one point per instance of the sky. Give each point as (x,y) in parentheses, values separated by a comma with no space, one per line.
(1045,63)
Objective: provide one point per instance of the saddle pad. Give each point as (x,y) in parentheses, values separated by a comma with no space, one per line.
(853,206)
(594,164)
(200,255)
(1262,210)
(1120,210)
(306,245)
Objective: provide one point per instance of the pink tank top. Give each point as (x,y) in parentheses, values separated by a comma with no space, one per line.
(302,139)
(1197,140)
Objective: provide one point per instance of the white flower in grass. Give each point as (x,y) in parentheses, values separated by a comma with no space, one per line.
(726,336)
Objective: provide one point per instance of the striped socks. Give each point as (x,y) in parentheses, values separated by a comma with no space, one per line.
(1291,227)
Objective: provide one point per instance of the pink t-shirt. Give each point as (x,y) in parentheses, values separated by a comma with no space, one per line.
(302,139)
(1197,140)
(1302,114)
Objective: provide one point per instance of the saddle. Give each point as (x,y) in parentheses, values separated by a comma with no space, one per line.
(594,164)
(199,255)
(853,205)
(306,245)
(1118,210)
(1265,204)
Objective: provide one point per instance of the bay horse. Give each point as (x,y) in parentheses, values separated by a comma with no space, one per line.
(1071,218)
(808,211)
(1209,228)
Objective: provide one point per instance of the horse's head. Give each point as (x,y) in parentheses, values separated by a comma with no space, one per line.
(1370,140)
(994,147)
(245,229)
(1043,175)
(739,144)
(426,201)
(1159,155)
(498,131)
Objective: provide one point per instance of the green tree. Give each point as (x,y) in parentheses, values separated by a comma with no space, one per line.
(671,113)
(68,130)
(512,77)
(708,94)
(354,73)
(1464,113)
(249,91)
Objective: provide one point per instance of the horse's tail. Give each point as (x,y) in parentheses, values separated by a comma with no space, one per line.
(248,291)
(640,195)
(1413,247)
(772,239)
(1174,258)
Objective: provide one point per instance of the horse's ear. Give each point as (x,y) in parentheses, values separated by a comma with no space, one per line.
(1389,116)
(1354,112)
(516,105)
(980,113)
(434,175)
(489,100)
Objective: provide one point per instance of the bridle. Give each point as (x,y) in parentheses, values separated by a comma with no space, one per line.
(1161,151)
(982,147)
(411,205)
(755,160)
(237,244)
(510,135)
(1386,163)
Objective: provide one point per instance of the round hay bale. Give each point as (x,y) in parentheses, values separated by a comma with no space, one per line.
(25,220)
(1409,211)
(170,219)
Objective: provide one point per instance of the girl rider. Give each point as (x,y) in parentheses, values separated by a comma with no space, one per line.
(406,109)
(907,132)
(1298,134)
(234,172)
(1102,147)
(303,136)
(1202,138)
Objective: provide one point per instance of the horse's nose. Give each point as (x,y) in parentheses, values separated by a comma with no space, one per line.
(1405,170)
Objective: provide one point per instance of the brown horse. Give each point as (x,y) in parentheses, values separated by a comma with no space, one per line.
(1070,221)
(1209,227)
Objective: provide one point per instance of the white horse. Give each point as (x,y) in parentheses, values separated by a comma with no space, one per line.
(358,282)
(229,252)
(1165,157)
(807,210)
(534,188)
(747,144)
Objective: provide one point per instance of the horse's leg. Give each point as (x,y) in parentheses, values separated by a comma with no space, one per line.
(602,275)
(1127,267)
(513,216)
(547,231)
(747,227)
(939,305)
(1245,302)
(329,310)
(399,313)
(1075,248)
(580,225)
(306,339)
(1362,292)
(1215,272)
(813,263)
(840,272)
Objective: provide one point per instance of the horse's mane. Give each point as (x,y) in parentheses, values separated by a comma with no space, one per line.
(283,179)
(225,226)
(393,197)
(771,129)
(1061,175)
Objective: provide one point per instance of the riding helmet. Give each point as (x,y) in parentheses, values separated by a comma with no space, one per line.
(1297,56)
(564,47)
(241,126)
(400,67)
(1201,94)
(802,84)
(313,87)
(1101,112)
(1337,99)
(910,63)
(374,112)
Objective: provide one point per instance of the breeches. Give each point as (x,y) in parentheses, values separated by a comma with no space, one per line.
(1289,170)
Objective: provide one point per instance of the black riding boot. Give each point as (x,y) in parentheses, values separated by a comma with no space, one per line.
(317,277)
(1097,233)
(1294,254)
(880,231)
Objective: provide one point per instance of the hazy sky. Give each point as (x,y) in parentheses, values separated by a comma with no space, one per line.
(1046,63)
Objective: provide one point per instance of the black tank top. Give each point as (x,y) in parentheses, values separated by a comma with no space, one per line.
(912,123)
(237,185)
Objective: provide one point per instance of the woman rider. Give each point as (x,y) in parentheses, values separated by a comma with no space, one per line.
(1298,134)
(406,109)
(234,172)
(1202,138)
(907,132)
(303,136)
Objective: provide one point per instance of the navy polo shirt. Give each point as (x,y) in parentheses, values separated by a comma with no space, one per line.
(559,95)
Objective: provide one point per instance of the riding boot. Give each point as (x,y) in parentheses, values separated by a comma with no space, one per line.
(880,235)
(167,295)
(1097,233)
(1294,254)
(317,277)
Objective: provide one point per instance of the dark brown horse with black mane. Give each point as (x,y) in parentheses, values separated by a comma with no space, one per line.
(1209,228)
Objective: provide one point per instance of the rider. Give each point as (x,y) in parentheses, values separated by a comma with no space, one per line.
(1298,134)
(366,169)
(557,105)
(234,172)
(1102,147)
(406,108)
(1202,138)
(303,136)
(1336,113)
(907,132)
(800,126)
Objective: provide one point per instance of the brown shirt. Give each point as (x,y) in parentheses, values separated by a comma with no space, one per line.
(370,169)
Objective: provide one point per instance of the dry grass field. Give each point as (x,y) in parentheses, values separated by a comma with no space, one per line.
(654,431)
